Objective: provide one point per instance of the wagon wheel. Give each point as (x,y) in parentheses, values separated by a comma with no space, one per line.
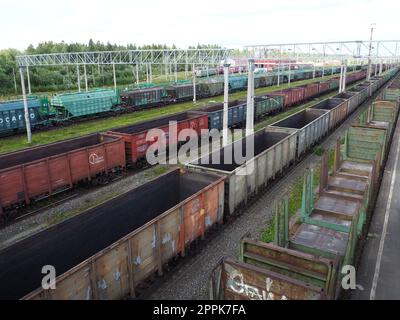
(3,219)
(139,164)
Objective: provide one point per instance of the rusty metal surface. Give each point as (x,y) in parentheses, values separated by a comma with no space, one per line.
(364,143)
(41,171)
(107,251)
(317,271)
(232,280)
(348,184)
(336,205)
(273,152)
(357,167)
(320,240)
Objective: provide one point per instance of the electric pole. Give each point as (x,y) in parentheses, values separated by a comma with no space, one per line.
(372,27)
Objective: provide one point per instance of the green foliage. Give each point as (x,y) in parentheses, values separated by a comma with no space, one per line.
(268,234)
(61,78)
(295,198)
(319,150)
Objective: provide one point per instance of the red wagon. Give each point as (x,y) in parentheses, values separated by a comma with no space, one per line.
(136,143)
(38,172)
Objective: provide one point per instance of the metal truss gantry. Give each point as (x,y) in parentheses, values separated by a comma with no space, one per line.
(350,50)
(128,57)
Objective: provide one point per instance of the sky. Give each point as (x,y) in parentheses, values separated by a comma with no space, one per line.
(230,23)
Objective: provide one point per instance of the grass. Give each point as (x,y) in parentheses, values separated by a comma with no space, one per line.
(318,150)
(295,198)
(14,143)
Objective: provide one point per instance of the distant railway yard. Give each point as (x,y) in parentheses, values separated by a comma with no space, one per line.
(231,177)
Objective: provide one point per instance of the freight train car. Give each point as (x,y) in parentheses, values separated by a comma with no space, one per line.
(144,97)
(139,236)
(67,107)
(273,152)
(306,258)
(136,137)
(308,125)
(337,110)
(83,104)
(32,174)
(108,251)
(12,114)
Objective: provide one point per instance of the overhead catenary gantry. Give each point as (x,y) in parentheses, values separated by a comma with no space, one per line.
(353,52)
(357,49)
(137,58)
(128,57)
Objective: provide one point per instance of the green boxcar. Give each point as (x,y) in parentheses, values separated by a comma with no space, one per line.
(264,105)
(209,89)
(79,104)
(237,83)
(334,83)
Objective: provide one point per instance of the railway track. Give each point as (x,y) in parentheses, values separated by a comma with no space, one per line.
(128,110)
(60,198)
(157,254)
(189,279)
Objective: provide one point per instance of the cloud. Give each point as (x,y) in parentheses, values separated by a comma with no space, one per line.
(230,23)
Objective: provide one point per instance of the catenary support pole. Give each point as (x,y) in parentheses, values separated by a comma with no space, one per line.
(115,78)
(85,75)
(344,76)
(26,111)
(226,103)
(151,73)
(79,77)
(194,83)
(250,100)
(29,80)
(15,80)
(369,70)
(279,75)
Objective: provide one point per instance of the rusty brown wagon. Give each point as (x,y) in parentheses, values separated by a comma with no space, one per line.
(108,251)
(38,172)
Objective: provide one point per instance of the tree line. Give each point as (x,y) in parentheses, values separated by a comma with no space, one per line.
(59,78)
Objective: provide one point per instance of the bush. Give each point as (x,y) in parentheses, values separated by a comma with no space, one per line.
(319,150)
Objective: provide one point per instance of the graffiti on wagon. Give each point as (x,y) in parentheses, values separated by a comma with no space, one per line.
(237,284)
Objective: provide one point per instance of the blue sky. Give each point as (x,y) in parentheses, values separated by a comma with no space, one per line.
(230,23)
